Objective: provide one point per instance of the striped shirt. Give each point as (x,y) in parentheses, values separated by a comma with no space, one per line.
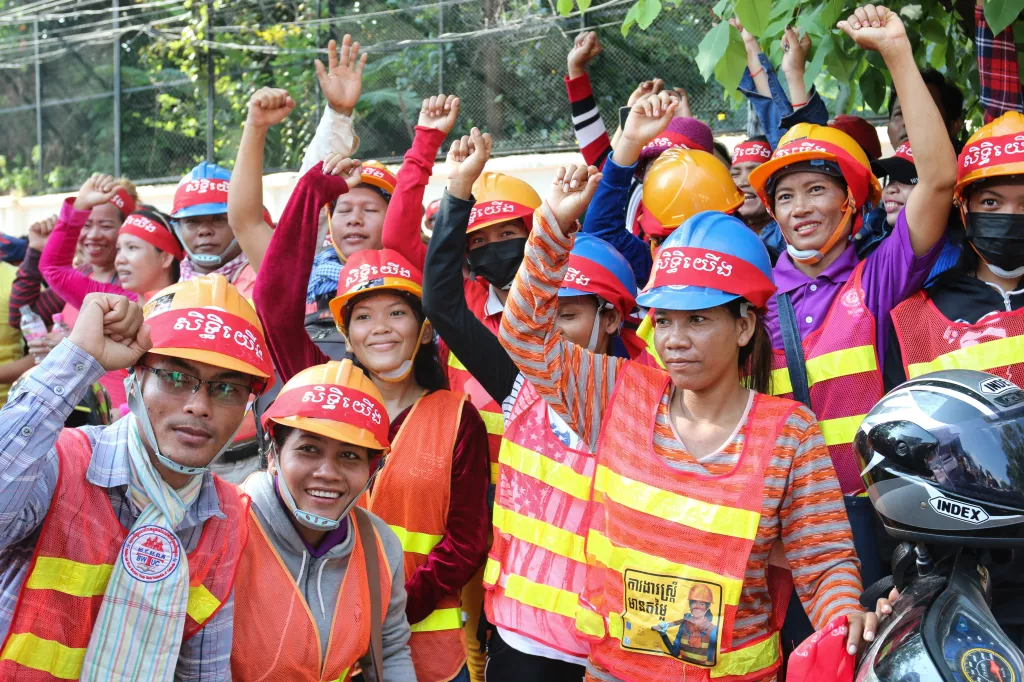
(802,509)
(29,426)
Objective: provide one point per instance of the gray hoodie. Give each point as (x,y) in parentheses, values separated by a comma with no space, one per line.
(319,580)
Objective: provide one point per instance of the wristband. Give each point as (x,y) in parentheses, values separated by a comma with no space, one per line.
(757,73)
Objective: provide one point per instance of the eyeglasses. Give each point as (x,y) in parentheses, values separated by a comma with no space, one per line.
(178,383)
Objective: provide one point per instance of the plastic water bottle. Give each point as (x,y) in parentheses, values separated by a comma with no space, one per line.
(60,326)
(32,326)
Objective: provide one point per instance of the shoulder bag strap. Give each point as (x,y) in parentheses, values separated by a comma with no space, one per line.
(794,350)
(369,539)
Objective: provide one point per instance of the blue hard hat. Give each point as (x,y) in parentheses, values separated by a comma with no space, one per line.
(202,192)
(717,236)
(596,268)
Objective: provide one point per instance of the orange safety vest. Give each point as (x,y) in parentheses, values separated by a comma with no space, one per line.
(536,568)
(669,550)
(79,543)
(287,646)
(461,381)
(931,342)
(411,495)
(843,374)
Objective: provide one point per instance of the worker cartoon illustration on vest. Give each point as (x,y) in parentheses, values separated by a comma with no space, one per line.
(657,604)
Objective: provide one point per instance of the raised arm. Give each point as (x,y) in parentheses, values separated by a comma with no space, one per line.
(758,74)
(280,290)
(444,296)
(591,135)
(576,382)
(55,263)
(341,81)
(267,107)
(401,230)
(927,209)
(27,289)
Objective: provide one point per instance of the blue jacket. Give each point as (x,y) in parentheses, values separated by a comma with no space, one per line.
(776,112)
(606,218)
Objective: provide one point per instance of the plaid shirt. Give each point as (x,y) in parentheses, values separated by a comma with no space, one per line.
(29,426)
(998,69)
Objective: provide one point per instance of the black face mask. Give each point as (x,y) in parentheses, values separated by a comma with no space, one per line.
(498,262)
(998,238)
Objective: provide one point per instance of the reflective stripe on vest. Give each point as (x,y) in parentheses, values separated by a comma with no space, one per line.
(843,375)
(929,341)
(462,381)
(662,540)
(288,646)
(74,557)
(412,495)
(536,567)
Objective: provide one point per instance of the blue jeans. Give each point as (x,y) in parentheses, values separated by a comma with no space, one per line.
(463,675)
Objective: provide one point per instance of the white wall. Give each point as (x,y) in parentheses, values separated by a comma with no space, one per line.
(16,214)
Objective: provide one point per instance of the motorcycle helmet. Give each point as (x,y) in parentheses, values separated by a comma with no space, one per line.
(943,459)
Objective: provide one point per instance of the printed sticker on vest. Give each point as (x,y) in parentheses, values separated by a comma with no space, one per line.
(150,554)
(670,616)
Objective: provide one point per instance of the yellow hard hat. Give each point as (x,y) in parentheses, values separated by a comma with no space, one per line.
(701,592)
(335,400)
(500,198)
(680,184)
(205,319)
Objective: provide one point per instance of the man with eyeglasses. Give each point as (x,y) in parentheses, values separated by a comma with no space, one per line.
(118,548)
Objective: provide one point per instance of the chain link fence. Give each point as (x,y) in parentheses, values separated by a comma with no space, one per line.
(147,89)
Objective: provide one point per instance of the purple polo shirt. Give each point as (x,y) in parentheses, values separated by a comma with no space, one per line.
(891,273)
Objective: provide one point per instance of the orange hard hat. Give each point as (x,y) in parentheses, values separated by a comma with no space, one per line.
(995,150)
(370,270)
(701,592)
(335,400)
(810,142)
(501,198)
(376,173)
(207,320)
(682,183)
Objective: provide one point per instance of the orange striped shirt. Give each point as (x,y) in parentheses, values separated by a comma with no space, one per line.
(803,510)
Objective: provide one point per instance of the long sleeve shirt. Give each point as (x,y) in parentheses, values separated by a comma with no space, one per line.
(30,290)
(401,231)
(29,426)
(334,134)
(591,135)
(802,507)
(279,296)
(55,263)
(606,218)
(776,113)
(998,68)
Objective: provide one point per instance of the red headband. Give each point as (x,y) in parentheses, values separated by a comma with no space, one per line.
(123,201)
(994,151)
(211,330)
(152,232)
(669,139)
(332,402)
(586,275)
(683,266)
(487,211)
(757,151)
(904,152)
(197,192)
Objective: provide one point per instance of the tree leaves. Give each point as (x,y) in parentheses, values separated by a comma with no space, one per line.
(821,52)
(873,88)
(564,7)
(712,49)
(754,15)
(1001,13)
(729,69)
(642,13)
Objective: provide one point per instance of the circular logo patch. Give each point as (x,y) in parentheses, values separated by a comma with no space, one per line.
(150,554)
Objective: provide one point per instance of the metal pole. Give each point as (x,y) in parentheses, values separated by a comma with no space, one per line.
(211,76)
(117,91)
(316,87)
(39,103)
(440,32)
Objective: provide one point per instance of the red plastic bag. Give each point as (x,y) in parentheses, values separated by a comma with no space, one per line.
(823,657)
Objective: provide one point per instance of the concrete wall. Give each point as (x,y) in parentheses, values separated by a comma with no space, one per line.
(16,214)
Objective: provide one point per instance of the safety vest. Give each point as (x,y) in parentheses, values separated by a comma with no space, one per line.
(411,495)
(669,550)
(536,567)
(79,543)
(645,331)
(931,342)
(461,381)
(287,646)
(843,374)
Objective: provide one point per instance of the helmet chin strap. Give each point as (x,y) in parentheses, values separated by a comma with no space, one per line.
(315,521)
(595,330)
(204,259)
(399,374)
(812,256)
(133,388)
